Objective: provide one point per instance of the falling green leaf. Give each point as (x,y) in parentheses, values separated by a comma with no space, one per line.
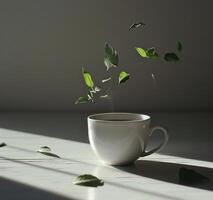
(152,53)
(189,176)
(111,57)
(82,100)
(123,77)
(88,78)
(47,151)
(171,57)
(88,180)
(149,53)
(141,52)
(179,46)
(3,144)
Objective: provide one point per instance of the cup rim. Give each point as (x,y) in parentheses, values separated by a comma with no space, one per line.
(90,117)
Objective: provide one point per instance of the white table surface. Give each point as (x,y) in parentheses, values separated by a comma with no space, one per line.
(26,174)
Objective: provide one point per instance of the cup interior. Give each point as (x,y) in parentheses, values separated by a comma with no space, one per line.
(119,117)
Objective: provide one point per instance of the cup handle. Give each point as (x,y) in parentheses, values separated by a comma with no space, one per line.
(161,145)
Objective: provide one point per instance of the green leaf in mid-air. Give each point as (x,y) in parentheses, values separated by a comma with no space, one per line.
(111,57)
(149,53)
(88,180)
(142,52)
(88,78)
(82,100)
(3,144)
(123,77)
(179,46)
(47,151)
(171,57)
(152,53)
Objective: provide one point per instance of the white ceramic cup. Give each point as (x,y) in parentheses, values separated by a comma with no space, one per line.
(121,138)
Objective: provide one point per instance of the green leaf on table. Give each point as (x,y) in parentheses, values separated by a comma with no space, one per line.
(82,100)
(45,148)
(88,180)
(123,77)
(3,144)
(152,53)
(87,78)
(142,52)
(136,25)
(179,46)
(106,80)
(189,176)
(47,151)
(171,57)
(111,57)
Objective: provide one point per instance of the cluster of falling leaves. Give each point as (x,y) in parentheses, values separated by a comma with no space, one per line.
(111,60)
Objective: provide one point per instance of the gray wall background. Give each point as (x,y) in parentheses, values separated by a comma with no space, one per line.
(44,44)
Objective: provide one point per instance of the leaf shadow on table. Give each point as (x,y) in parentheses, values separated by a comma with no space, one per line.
(169,172)
(11,190)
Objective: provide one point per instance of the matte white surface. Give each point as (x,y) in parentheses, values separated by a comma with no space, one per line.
(26,174)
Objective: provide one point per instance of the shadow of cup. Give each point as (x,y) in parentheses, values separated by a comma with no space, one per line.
(199,177)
